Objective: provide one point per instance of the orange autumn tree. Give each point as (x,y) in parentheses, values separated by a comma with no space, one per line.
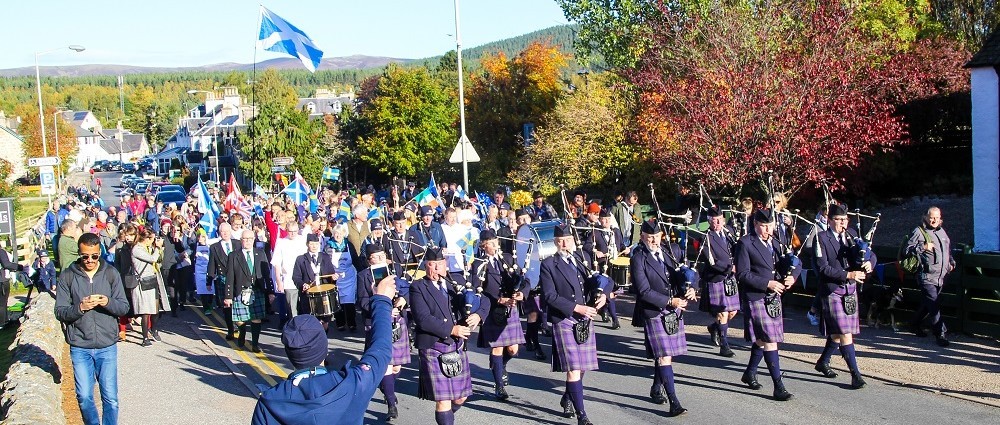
(503,96)
(28,129)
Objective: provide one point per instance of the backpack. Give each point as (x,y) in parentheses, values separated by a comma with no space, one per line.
(910,262)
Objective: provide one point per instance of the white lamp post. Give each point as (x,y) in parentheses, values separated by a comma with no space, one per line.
(38,87)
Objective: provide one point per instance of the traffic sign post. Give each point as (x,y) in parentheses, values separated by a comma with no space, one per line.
(47,179)
(283,161)
(7,226)
(44,161)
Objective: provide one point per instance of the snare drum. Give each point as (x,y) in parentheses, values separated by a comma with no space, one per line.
(619,271)
(323,300)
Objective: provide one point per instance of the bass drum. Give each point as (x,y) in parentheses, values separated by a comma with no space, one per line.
(538,239)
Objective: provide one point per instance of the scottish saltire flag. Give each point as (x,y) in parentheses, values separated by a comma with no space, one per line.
(208,209)
(331,173)
(460,193)
(259,191)
(344,213)
(298,189)
(205,202)
(278,35)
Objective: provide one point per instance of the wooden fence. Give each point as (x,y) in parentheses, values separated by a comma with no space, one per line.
(970,300)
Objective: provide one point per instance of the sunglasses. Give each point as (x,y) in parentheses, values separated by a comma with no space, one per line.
(91,257)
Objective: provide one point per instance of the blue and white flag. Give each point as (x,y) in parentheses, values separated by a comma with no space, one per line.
(331,173)
(208,209)
(298,189)
(279,35)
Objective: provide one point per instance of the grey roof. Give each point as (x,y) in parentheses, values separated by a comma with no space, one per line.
(82,132)
(171,153)
(989,55)
(11,131)
(129,143)
(323,105)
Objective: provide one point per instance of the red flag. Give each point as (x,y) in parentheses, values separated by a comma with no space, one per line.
(234,199)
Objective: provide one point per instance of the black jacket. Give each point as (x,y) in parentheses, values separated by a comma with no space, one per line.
(217,258)
(239,275)
(302,271)
(433,313)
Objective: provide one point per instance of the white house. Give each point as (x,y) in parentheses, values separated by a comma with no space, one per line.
(97,143)
(325,102)
(12,149)
(984,68)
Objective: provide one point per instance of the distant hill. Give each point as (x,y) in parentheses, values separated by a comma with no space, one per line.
(336,63)
(561,36)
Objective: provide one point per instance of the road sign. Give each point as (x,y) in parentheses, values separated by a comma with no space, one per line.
(47,178)
(283,160)
(43,161)
(7,218)
(277,169)
(470,152)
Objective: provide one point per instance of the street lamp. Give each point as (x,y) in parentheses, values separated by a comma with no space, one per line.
(215,125)
(55,130)
(38,86)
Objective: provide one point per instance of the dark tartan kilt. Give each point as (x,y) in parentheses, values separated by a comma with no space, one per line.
(433,384)
(567,355)
(659,344)
(400,349)
(715,300)
(244,313)
(835,321)
(758,326)
(493,335)
(532,305)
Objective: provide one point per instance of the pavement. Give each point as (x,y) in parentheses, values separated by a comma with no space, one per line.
(195,374)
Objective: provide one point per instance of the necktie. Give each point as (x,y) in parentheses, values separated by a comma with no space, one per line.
(315,259)
(225,247)
(658,257)
(249,256)
(442,288)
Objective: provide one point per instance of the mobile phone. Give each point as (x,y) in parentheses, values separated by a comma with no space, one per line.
(379,272)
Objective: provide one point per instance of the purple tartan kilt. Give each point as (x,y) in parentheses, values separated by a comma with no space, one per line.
(434,385)
(835,321)
(567,355)
(758,326)
(532,305)
(255,311)
(659,344)
(492,335)
(718,301)
(400,349)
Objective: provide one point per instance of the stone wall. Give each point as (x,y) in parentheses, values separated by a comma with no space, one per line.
(31,390)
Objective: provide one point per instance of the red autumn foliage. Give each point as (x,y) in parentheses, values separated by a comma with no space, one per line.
(793,88)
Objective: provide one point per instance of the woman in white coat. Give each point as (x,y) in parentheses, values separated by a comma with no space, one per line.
(146,258)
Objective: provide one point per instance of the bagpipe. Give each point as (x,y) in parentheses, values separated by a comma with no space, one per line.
(684,277)
(861,251)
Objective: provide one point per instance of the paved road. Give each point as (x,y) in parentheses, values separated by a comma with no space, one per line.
(188,377)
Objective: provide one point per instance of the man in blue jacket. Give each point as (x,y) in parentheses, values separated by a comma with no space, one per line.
(312,395)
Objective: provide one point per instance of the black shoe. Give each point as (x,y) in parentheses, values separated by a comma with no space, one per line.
(675,408)
(656,393)
(943,341)
(230,337)
(726,352)
(156,335)
(146,342)
(604,317)
(583,420)
(918,331)
(539,354)
(546,331)
(857,381)
(780,393)
(615,326)
(824,369)
(505,379)
(530,347)
(353,328)
(713,331)
(751,381)
(256,349)
(501,393)
(567,406)
(393,413)
(341,328)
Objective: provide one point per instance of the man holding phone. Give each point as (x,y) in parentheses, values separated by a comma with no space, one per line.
(89,299)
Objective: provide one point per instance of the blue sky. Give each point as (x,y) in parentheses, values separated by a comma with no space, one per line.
(191,33)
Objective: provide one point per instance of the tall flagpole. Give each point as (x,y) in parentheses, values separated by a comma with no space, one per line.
(462,140)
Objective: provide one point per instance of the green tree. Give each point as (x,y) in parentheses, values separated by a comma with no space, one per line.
(405,122)
(280,130)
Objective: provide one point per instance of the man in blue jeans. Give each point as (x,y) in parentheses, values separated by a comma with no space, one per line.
(89,299)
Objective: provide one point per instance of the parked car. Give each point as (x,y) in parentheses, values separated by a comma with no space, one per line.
(100,165)
(129,167)
(114,166)
(140,189)
(171,197)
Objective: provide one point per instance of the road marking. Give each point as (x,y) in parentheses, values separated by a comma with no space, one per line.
(246,359)
(225,361)
(281,372)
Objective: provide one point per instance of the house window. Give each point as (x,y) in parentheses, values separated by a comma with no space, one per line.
(311,107)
